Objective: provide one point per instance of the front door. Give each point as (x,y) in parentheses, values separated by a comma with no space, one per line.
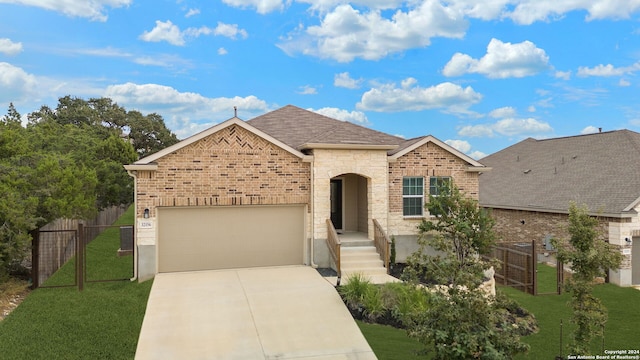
(336,203)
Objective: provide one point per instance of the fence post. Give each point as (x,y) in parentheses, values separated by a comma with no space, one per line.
(534,262)
(505,261)
(35,258)
(559,275)
(80,256)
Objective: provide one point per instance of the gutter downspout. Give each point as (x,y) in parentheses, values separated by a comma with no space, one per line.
(134,174)
(313,219)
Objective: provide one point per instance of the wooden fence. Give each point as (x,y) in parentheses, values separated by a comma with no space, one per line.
(519,265)
(58,242)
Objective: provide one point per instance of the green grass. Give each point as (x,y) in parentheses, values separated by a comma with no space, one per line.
(389,343)
(621,332)
(101,322)
(102,260)
(547,279)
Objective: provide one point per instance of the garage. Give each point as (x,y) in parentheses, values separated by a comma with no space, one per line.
(225,237)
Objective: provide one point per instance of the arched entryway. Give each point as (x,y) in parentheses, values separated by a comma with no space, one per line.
(350,194)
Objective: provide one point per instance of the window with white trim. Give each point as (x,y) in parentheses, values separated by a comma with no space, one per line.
(412,196)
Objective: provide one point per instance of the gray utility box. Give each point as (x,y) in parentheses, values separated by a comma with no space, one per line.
(126,237)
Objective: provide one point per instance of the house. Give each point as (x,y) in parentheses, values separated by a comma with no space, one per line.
(534,181)
(272,190)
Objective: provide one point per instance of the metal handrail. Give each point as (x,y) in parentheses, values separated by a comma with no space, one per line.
(383,243)
(333,241)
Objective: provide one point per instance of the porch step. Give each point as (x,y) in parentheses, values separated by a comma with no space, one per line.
(356,242)
(363,260)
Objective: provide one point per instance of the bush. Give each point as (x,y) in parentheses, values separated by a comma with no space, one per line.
(394,304)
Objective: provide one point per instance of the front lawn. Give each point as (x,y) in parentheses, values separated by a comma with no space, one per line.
(101,322)
(621,332)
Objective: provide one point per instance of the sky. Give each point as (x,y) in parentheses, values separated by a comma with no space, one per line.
(480,75)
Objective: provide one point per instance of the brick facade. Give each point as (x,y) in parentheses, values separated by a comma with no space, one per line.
(230,167)
(539,226)
(426,161)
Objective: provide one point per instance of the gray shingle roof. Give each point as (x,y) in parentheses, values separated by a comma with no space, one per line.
(295,127)
(600,170)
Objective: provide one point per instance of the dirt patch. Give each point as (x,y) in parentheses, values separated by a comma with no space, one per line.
(12,293)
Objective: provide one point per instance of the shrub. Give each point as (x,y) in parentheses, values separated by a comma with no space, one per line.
(354,291)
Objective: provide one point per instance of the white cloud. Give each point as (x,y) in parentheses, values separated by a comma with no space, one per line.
(92,9)
(222,51)
(357,117)
(230,30)
(167,31)
(344,80)
(526,12)
(624,83)
(307,90)
(531,108)
(507,127)
(9,47)
(502,60)
(164,31)
(564,75)
(589,130)
(503,112)
(448,96)
(460,145)
(261,6)
(325,5)
(346,33)
(510,127)
(477,154)
(186,112)
(476,131)
(15,83)
(192,12)
(608,70)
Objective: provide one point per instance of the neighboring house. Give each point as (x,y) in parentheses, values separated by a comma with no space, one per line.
(534,181)
(259,193)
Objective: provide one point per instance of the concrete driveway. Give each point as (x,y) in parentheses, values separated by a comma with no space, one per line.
(254,313)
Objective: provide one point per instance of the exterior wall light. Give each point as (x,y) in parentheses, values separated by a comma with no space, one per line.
(146,213)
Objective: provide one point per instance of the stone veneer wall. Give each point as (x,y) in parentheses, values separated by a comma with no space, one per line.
(329,163)
(427,160)
(541,225)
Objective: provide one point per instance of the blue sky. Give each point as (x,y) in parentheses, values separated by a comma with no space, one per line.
(480,75)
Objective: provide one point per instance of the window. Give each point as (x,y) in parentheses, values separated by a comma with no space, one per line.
(412,196)
(436,184)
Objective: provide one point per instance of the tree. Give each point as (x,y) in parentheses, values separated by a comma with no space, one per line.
(67,162)
(589,257)
(460,231)
(462,320)
(149,133)
(13,117)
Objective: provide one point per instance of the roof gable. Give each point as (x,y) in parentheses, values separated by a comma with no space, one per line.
(199,136)
(298,128)
(599,170)
(412,144)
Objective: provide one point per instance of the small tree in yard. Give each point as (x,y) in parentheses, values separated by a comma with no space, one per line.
(462,320)
(589,257)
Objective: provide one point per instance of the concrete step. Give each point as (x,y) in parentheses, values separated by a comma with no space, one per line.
(372,278)
(356,242)
(358,250)
(361,264)
(365,272)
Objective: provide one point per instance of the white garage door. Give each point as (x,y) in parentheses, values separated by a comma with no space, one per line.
(229,237)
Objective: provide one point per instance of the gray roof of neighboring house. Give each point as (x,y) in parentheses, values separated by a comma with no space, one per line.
(599,170)
(296,127)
